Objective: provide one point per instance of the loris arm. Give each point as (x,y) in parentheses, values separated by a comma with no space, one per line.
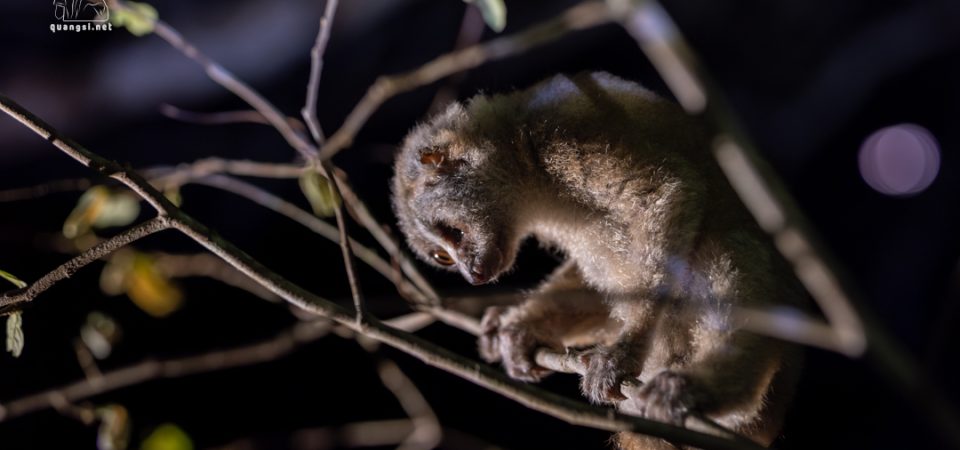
(562,312)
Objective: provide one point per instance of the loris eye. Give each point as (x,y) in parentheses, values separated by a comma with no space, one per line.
(443,258)
(450,234)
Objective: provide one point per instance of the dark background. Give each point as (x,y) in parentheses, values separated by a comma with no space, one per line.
(810,80)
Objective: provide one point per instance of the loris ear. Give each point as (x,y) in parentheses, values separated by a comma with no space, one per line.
(433,157)
(440,160)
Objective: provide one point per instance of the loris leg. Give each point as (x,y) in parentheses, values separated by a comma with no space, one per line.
(563,309)
(608,366)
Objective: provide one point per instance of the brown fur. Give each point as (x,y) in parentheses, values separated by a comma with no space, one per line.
(659,248)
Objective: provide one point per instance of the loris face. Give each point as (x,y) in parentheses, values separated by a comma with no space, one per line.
(448,205)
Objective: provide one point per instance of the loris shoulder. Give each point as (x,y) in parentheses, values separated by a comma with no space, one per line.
(659,250)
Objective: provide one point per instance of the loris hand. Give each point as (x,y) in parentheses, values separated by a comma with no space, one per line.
(510,337)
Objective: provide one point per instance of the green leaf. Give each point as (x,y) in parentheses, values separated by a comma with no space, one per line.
(323,199)
(20,284)
(167,437)
(138,18)
(494,13)
(15,334)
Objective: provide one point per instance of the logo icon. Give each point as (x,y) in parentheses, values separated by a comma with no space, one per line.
(81,11)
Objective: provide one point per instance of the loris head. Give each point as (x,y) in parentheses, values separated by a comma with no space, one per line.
(452,197)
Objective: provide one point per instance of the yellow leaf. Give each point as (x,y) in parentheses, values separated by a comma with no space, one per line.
(138,18)
(167,437)
(150,290)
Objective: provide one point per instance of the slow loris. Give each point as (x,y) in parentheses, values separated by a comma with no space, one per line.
(659,250)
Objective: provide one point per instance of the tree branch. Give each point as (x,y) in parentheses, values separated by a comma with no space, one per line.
(584,15)
(309,110)
(14,300)
(281,345)
(225,78)
(223,117)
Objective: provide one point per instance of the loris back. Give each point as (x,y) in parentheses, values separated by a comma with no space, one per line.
(659,249)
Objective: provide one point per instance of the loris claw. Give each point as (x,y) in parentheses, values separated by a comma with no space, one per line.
(668,397)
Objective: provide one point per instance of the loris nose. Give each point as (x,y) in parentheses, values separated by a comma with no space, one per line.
(477,276)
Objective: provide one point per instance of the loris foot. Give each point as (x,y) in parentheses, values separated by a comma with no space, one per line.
(668,397)
(608,367)
(508,337)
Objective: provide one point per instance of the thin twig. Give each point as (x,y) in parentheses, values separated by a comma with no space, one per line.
(225,78)
(584,15)
(358,302)
(204,172)
(575,412)
(309,111)
(40,190)
(299,215)
(223,117)
(282,344)
(471,30)
(97,383)
(86,360)
(207,266)
(392,247)
(176,176)
(14,300)
(427,432)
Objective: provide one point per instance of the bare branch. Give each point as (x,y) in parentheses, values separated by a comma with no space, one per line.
(358,302)
(86,360)
(426,432)
(364,217)
(14,300)
(471,30)
(208,266)
(168,176)
(584,15)
(225,78)
(223,117)
(309,110)
(281,345)
(40,190)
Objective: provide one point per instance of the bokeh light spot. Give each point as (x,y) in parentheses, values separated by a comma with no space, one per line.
(900,160)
